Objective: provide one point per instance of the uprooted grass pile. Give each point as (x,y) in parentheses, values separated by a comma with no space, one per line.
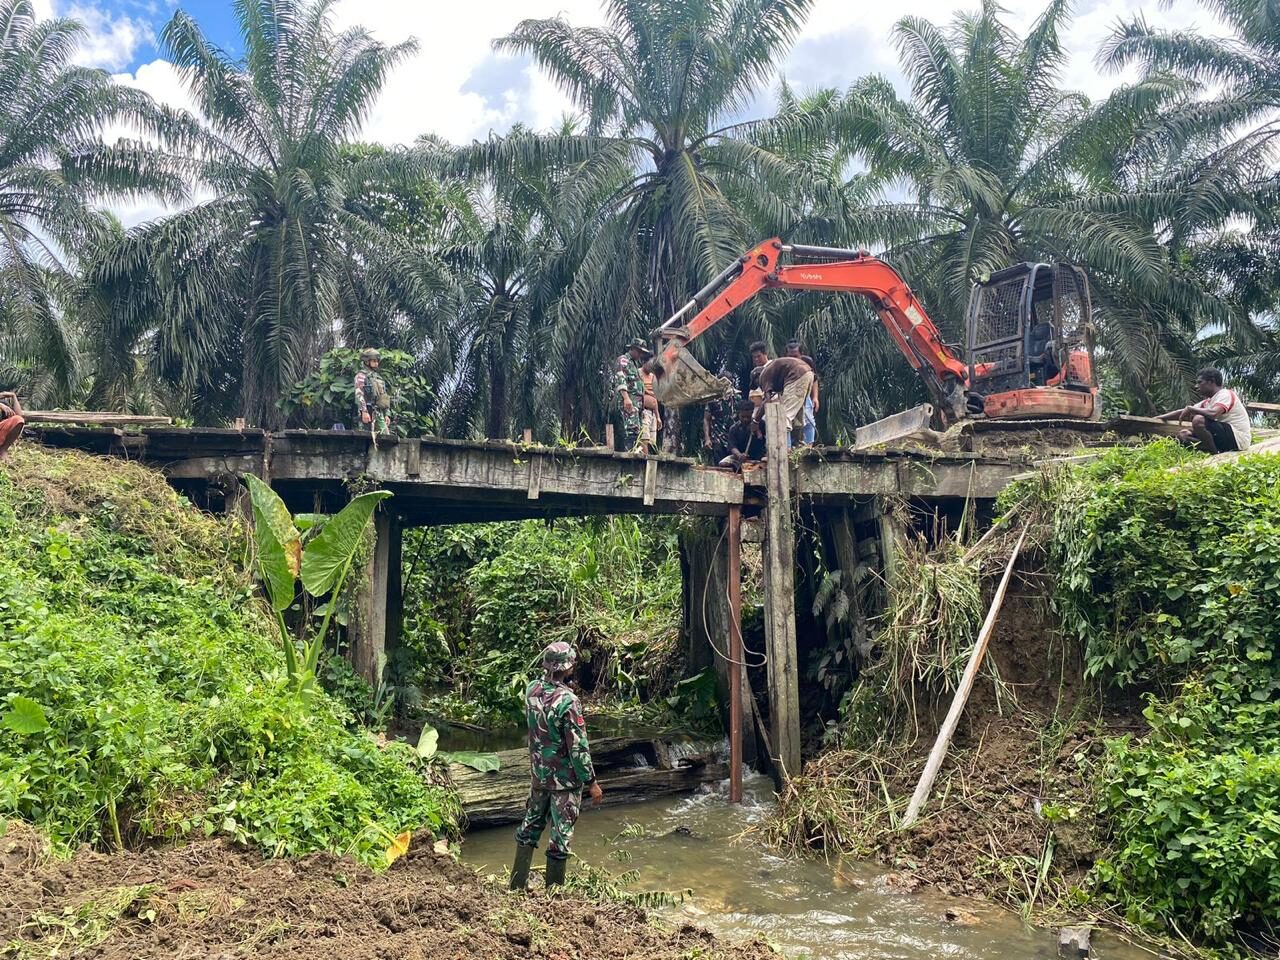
(212,899)
(142,691)
(1147,786)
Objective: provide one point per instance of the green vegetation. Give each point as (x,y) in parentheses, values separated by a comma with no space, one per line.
(144,687)
(1167,570)
(483,600)
(319,559)
(1145,720)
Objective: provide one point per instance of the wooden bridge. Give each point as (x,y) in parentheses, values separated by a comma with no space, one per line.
(853,499)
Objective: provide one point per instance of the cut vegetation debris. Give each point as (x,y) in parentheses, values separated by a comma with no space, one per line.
(1127,765)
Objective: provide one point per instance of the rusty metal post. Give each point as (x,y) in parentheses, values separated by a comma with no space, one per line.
(734,577)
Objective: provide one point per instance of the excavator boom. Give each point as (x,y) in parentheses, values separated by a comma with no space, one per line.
(682,381)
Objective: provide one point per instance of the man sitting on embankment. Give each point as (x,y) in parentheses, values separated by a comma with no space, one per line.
(1219,422)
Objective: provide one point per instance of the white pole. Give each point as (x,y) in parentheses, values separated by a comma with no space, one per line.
(939,751)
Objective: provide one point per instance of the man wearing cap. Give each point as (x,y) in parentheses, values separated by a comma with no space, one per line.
(372,400)
(628,386)
(560,766)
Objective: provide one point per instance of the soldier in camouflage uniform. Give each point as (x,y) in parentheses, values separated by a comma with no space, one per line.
(628,386)
(560,765)
(373,403)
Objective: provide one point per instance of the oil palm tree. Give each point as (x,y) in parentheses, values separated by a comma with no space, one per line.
(1000,164)
(655,168)
(1227,131)
(234,299)
(54,165)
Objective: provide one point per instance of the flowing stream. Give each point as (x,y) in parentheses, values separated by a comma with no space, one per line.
(804,906)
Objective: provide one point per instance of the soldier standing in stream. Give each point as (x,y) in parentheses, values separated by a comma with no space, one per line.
(372,400)
(560,767)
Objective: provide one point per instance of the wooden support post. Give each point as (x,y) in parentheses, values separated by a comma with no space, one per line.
(380,600)
(939,751)
(608,435)
(780,598)
(528,436)
(736,672)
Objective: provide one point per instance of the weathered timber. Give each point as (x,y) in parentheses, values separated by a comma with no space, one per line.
(379,599)
(95,418)
(780,598)
(897,426)
(832,480)
(948,729)
(737,669)
(629,769)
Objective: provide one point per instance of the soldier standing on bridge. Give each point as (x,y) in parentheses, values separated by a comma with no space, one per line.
(372,400)
(628,385)
(560,765)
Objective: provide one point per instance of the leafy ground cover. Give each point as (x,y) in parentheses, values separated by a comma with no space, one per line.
(1120,758)
(144,692)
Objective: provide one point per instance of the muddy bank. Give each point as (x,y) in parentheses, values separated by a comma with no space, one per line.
(1012,814)
(211,899)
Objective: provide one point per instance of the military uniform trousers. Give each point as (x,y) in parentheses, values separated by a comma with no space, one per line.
(561,807)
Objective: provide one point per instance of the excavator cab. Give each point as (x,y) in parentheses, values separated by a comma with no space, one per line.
(1029,346)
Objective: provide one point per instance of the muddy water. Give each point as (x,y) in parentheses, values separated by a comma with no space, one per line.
(804,906)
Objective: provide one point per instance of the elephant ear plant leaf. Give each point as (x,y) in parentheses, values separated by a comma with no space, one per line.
(323,564)
(326,561)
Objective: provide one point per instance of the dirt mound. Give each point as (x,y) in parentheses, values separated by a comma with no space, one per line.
(211,899)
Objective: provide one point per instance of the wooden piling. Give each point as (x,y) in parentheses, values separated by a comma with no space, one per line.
(780,599)
(736,672)
(379,599)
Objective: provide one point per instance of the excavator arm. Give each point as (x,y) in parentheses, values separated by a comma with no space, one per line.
(681,380)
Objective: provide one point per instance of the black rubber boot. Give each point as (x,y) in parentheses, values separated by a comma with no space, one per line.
(555,870)
(520,869)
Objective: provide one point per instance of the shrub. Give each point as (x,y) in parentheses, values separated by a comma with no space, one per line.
(1169,570)
(144,692)
(487,598)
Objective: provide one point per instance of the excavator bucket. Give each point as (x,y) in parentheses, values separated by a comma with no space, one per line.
(685,382)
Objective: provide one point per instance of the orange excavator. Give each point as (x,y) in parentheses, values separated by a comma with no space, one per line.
(1028,351)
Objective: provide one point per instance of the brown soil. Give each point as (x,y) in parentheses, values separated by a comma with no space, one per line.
(211,899)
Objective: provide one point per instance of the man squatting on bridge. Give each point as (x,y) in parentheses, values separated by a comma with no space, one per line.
(559,764)
(372,400)
(1219,422)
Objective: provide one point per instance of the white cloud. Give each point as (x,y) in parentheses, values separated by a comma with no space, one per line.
(111,39)
(426,93)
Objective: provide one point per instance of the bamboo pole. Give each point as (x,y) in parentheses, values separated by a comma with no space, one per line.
(939,751)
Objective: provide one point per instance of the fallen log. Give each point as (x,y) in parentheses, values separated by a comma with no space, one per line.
(630,769)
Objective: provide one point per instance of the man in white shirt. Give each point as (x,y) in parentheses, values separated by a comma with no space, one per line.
(1219,422)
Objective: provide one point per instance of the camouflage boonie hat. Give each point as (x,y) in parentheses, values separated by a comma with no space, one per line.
(558,656)
(639,343)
